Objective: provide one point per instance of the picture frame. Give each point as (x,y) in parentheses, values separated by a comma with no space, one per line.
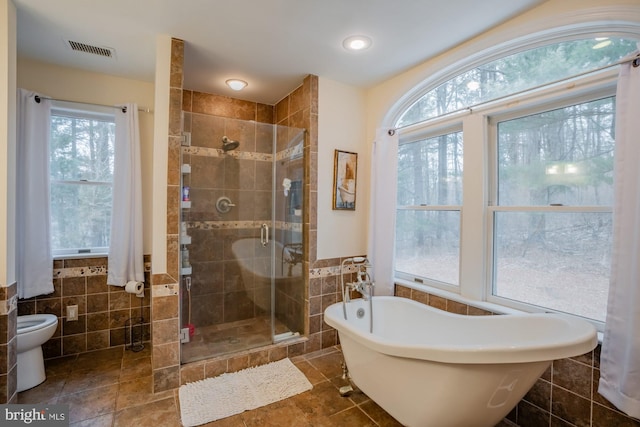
(345,168)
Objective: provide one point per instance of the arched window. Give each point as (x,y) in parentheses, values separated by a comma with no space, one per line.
(516,73)
(509,200)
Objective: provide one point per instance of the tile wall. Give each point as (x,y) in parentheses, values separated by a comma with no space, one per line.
(8,343)
(103,310)
(565,395)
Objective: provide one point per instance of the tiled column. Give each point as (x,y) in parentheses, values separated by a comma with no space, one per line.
(165,296)
(8,344)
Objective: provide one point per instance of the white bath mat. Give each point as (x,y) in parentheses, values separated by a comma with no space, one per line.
(229,394)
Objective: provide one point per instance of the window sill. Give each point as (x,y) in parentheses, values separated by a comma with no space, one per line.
(494,308)
(80,256)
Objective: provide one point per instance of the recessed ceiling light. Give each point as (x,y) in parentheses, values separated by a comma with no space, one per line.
(236,84)
(356,43)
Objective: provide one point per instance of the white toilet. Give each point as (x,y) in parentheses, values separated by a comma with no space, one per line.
(33,331)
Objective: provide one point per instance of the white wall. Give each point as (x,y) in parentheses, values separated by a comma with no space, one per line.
(341,125)
(84,86)
(7,142)
(161,153)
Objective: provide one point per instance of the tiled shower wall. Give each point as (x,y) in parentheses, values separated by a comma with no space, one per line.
(220,293)
(565,395)
(103,310)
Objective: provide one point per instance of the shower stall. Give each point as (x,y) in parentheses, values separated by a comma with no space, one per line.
(241,248)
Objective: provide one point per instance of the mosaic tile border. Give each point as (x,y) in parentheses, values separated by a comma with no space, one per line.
(166,290)
(217,152)
(100,270)
(238,225)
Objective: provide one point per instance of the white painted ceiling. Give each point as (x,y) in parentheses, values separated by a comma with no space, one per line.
(272,44)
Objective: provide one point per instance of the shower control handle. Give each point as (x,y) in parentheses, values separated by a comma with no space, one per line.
(224,205)
(264,235)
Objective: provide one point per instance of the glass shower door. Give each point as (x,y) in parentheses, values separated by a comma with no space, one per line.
(242,234)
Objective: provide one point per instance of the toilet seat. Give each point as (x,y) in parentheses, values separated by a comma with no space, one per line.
(33,322)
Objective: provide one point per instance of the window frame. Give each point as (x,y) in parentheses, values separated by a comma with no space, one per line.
(447,126)
(479,127)
(87,112)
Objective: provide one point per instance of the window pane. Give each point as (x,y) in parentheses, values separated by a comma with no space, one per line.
(428,244)
(81,149)
(563,156)
(81,153)
(80,216)
(430,171)
(516,73)
(555,260)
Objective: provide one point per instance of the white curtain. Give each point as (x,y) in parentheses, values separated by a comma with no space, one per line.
(34,262)
(620,357)
(125,246)
(382,214)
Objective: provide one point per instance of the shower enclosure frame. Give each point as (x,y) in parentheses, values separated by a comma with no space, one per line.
(284,224)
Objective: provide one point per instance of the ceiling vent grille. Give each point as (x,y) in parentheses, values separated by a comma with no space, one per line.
(95,50)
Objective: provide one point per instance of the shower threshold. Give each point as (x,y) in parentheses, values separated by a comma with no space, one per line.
(285,336)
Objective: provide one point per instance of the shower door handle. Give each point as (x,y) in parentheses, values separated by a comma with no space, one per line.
(264,235)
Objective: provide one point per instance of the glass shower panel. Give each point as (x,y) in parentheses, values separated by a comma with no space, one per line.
(230,300)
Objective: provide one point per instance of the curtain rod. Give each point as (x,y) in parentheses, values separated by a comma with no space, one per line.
(124,109)
(633,58)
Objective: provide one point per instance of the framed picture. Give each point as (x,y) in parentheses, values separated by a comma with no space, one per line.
(344,180)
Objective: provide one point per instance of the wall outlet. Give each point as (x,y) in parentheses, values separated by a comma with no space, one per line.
(72,312)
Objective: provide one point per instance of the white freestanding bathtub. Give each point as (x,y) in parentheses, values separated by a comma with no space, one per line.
(428,367)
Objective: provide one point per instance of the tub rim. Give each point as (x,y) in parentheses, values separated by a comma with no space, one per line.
(583,339)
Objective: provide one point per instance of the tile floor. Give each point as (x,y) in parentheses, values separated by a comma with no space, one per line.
(113,388)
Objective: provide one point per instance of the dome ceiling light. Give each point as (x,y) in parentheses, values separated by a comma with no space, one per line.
(236,84)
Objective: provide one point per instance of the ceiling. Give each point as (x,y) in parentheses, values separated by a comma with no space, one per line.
(272,44)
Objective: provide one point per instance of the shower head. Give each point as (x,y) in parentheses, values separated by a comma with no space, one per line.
(229,144)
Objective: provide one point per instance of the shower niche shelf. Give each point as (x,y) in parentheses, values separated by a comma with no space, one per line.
(185,168)
(186,271)
(186,204)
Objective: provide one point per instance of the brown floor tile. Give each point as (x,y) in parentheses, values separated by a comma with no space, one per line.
(330,365)
(46,392)
(138,392)
(313,375)
(160,413)
(82,380)
(379,415)
(90,403)
(101,421)
(323,400)
(60,365)
(135,368)
(352,417)
(279,414)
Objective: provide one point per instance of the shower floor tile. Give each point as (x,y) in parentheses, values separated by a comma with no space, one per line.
(226,338)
